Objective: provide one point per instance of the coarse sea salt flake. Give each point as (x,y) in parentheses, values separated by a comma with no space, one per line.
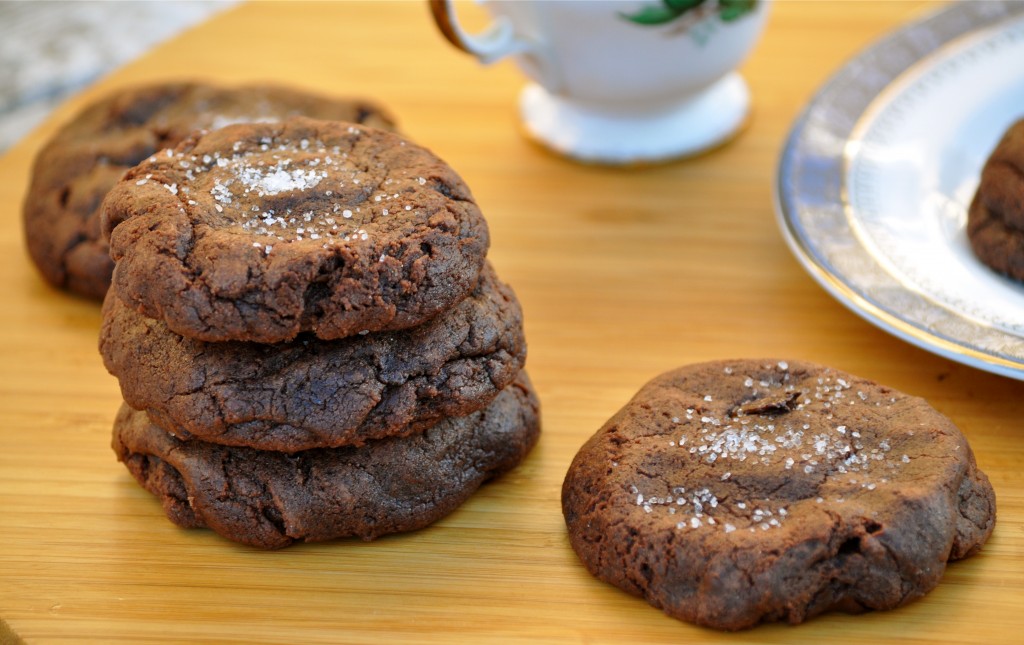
(277,179)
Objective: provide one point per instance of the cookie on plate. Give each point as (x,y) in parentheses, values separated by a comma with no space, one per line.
(732,493)
(271,499)
(76,168)
(995,219)
(312,393)
(263,231)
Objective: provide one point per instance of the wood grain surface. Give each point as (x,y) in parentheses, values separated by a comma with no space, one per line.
(622,274)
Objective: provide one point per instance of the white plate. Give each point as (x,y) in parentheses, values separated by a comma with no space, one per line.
(878,172)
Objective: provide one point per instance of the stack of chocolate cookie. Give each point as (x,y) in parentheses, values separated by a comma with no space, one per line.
(308,337)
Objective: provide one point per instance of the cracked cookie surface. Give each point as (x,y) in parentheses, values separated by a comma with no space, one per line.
(83,161)
(271,499)
(995,219)
(737,492)
(312,393)
(262,231)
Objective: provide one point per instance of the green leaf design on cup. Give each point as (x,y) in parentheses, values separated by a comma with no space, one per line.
(671,10)
(682,5)
(730,10)
(652,15)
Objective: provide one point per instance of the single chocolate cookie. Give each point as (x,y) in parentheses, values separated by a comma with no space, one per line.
(997,245)
(995,219)
(74,171)
(260,232)
(731,493)
(271,499)
(1002,180)
(312,393)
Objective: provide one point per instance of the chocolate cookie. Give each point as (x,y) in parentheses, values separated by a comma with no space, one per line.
(995,219)
(74,171)
(313,393)
(271,499)
(260,232)
(730,493)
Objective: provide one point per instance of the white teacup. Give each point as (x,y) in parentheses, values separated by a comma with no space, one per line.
(622,81)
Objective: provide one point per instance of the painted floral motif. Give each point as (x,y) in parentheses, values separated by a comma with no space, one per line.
(689,11)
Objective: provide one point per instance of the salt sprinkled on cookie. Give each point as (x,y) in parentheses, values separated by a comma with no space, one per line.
(729,494)
(263,231)
(92,151)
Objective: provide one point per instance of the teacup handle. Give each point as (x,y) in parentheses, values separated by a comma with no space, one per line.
(495,42)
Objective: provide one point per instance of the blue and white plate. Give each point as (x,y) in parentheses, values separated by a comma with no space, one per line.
(877,174)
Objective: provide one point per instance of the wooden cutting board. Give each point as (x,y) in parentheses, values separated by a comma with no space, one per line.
(622,274)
